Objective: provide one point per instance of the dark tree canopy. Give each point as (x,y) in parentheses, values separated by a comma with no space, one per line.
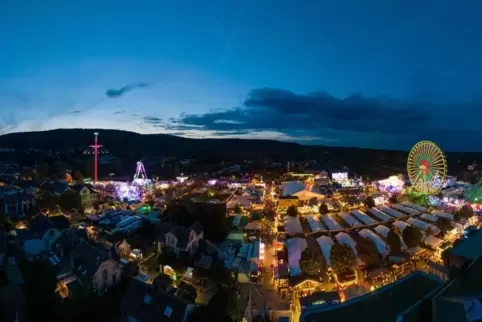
(394,243)
(466,212)
(310,263)
(292,211)
(367,251)
(323,209)
(444,224)
(369,202)
(70,200)
(412,236)
(342,258)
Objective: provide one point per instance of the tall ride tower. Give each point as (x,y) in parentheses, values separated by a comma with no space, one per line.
(96,148)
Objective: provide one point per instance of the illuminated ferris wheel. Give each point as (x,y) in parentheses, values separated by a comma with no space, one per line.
(427,167)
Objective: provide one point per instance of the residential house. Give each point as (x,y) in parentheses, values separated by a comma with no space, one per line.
(95,266)
(144,303)
(68,240)
(88,195)
(48,229)
(16,204)
(179,239)
(28,187)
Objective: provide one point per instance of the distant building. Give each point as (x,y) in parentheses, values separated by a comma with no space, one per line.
(285,202)
(88,195)
(143,303)
(464,251)
(179,239)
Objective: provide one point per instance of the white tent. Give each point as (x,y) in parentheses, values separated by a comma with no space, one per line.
(428,217)
(393,181)
(292,225)
(325,243)
(349,219)
(392,212)
(382,231)
(406,210)
(443,215)
(411,205)
(315,224)
(331,223)
(295,247)
(433,241)
(423,225)
(378,214)
(401,225)
(363,217)
(379,243)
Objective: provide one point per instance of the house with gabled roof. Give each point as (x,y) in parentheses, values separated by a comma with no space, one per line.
(180,239)
(144,303)
(88,195)
(56,187)
(96,267)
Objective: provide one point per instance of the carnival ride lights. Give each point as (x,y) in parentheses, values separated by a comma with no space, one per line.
(140,177)
(127,191)
(427,167)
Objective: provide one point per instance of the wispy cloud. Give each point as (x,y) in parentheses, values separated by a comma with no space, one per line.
(119,112)
(115,93)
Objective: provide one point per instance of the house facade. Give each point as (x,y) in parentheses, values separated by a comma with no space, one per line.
(180,240)
(88,195)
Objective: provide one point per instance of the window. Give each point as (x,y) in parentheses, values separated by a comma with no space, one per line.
(168,311)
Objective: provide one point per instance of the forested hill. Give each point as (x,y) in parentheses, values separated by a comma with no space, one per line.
(124,143)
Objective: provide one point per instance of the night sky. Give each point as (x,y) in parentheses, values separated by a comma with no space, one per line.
(371,73)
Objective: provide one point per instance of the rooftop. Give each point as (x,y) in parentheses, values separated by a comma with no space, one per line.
(470,247)
(384,304)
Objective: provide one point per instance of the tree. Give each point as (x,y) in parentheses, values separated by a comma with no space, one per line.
(394,242)
(237,209)
(466,212)
(78,175)
(342,258)
(369,202)
(309,263)
(70,200)
(292,211)
(47,200)
(313,202)
(255,216)
(269,210)
(444,224)
(393,199)
(323,209)
(58,168)
(412,236)
(367,251)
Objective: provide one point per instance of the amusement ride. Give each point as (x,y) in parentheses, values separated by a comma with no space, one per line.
(427,168)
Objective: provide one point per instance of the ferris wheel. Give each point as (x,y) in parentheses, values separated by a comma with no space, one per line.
(427,167)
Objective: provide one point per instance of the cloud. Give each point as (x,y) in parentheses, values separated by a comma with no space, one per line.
(115,93)
(75,112)
(119,112)
(357,120)
(152,120)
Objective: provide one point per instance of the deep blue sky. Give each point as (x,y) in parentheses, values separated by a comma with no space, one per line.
(372,73)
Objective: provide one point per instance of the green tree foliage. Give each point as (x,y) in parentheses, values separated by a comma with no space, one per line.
(292,211)
(323,209)
(269,210)
(313,202)
(412,236)
(237,209)
(367,251)
(444,224)
(342,258)
(394,243)
(255,216)
(40,283)
(369,202)
(70,200)
(47,200)
(466,212)
(310,263)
